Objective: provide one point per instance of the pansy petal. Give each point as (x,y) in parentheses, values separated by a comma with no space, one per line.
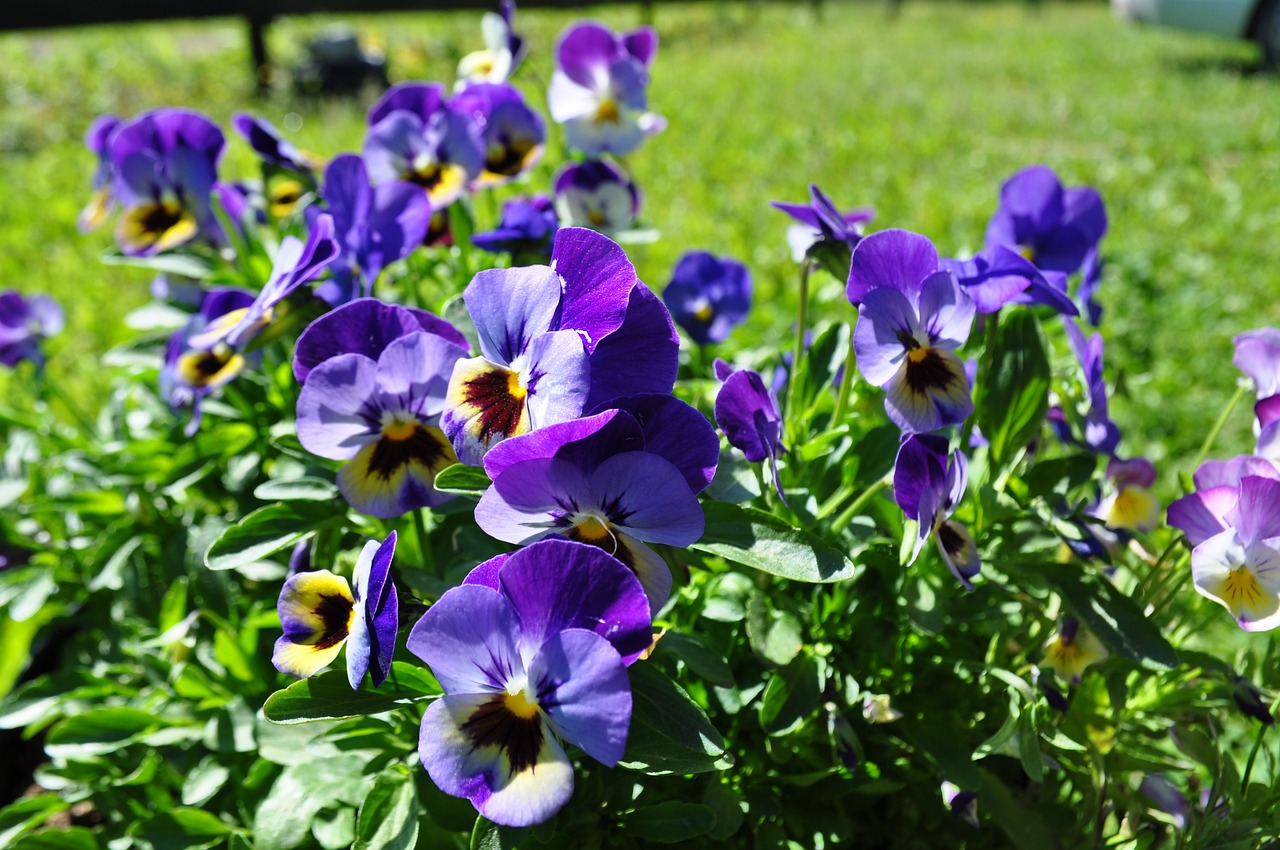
(946,310)
(887,323)
(316,612)
(334,418)
(677,432)
(1227,572)
(1229,473)
(650,495)
(558,378)
(418,367)
(920,466)
(468,639)
(747,412)
(510,307)
(525,501)
(958,551)
(1257,354)
(584,442)
(585,50)
(929,393)
(898,259)
(1202,514)
(1258,510)
(582,685)
(598,280)
(364,326)
(396,474)
(641,356)
(652,572)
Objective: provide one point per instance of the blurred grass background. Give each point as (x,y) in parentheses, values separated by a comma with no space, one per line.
(922,117)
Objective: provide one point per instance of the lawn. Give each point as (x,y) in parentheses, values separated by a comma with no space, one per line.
(921,117)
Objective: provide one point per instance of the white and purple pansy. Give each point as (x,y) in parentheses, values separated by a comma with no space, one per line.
(555,341)
(597,194)
(1053,227)
(823,232)
(911,318)
(321,612)
(928,482)
(531,653)
(617,480)
(599,88)
(503,53)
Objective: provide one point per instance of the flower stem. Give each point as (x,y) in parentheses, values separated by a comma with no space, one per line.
(424,544)
(1253,755)
(802,322)
(847,515)
(846,384)
(1218,426)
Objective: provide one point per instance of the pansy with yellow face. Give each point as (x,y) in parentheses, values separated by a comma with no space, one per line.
(1072,650)
(513,135)
(191,372)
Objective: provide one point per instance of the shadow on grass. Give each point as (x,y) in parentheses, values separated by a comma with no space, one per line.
(1233,64)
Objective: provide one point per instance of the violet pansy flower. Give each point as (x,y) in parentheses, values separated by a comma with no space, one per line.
(102,200)
(1257,354)
(823,232)
(911,318)
(1100,433)
(164,165)
(25,320)
(708,296)
(999,276)
(526,231)
(596,194)
(192,372)
(598,90)
(535,658)
(288,173)
(928,483)
(415,136)
(512,134)
(747,412)
(1053,227)
(616,480)
(321,612)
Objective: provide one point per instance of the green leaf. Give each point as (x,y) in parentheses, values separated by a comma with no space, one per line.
(1012,393)
(791,696)
(27,814)
(328,696)
(182,829)
(267,531)
(71,838)
(182,265)
(1114,618)
(388,818)
(705,662)
(463,480)
(203,781)
(775,636)
(297,490)
(1024,826)
(671,822)
(284,818)
(756,539)
(727,805)
(487,835)
(939,742)
(98,732)
(670,733)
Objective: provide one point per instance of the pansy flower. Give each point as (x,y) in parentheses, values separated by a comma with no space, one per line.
(288,173)
(1128,503)
(526,231)
(555,341)
(999,276)
(513,135)
(26,320)
(708,296)
(748,414)
(823,232)
(191,372)
(382,417)
(415,136)
(533,654)
(911,318)
(1257,354)
(321,612)
(928,482)
(1100,433)
(1053,227)
(1233,523)
(1072,649)
(102,199)
(599,88)
(596,194)
(617,480)
(503,53)
(164,165)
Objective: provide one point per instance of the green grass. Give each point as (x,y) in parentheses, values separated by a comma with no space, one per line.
(922,118)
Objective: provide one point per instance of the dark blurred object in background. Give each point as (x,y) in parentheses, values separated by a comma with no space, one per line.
(337,64)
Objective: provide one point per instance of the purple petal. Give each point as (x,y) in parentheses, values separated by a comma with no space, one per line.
(333,407)
(584,50)
(1258,510)
(524,503)
(1257,354)
(598,281)
(885,316)
(364,326)
(469,640)
(420,99)
(747,413)
(1202,514)
(1229,473)
(677,432)
(642,43)
(373,628)
(920,466)
(946,310)
(583,686)
(414,372)
(898,259)
(558,377)
(649,498)
(641,356)
(929,394)
(510,307)
(1031,202)
(583,442)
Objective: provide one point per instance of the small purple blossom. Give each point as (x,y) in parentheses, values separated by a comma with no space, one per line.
(1257,354)
(192,371)
(708,296)
(748,414)
(270,146)
(102,200)
(512,134)
(25,321)
(823,232)
(596,194)
(527,230)
(1053,227)
(928,482)
(999,276)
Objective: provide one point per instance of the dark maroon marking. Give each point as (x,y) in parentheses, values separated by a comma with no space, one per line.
(932,372)
(335,612)
(492,724)
(159,218)
(500,411)
(389,455)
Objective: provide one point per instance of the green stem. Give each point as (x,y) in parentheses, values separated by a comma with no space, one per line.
(846,384)
(424,544)
(802,322)
(1253,756)
(847,515)
(1218,426)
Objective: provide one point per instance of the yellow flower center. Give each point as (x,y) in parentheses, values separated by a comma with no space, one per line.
(592,530)
(520,705)
(918,355)
(399,429)
(1240,588)
(703,312)
(608,111)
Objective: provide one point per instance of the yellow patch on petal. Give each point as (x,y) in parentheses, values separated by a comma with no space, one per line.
(160,226)
(520,705)
(1134,508)
(283,194)
(703,312)
(303,660)
(1068,659)
(1240,593)
(209,369)
(592,530)
(375,481)
(608,112)
(316,610)
(95,212)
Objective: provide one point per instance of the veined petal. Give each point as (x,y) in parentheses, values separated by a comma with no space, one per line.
(468,639)
(641,356)
(958,551)
(887,328)
(486,403)
(558,378)
(946,310)
(376,621)
(1134,508)
(510,307)
(1202,514)
(151,228)
(414,371)
(582,685)
(316,610)
(598,280)
(584,442)
(929,391)
(532,499)
(1243,579)
(646,496)
(334,414)
(396,473)
(897,259)
(1258,511)
(1069,658)
(652,572)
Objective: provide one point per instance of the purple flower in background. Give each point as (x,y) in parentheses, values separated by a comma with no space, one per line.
(928,482)
(616,480)
(1053,227)
(513,135)
(1090,280)
(1072,650)
(823,232)
(526,231)
(1249,699)
(747,412)
(374,225)
(25,320)
(1100,433)
(1268,413)
(320,613)
(415,136)
(596,194)
(1166,797)
(962,804)
(1257,354)
(999,276)
(382,417)
(102,200)
(164,165)
(288,173)
(598,91)
(503,53)
(1233,523)
(556,341)
(191,371)
(365,326)
(911,319)
(1129,504)
(708,296)
(535,657)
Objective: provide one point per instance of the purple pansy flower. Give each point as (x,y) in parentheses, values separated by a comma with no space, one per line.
(708,296)
(288,173)
(503,53)
(747,412)
(616,480)
(526,231)
(1128,503)
(382,417)
(535,657)
(1090,280)
(596,194)
(1053,227)
(1100,433)
(415,136)
(999,276)
(823,232)
(555,341)
(320,613)
(1233,523)
(928,482)
(102,200)
(191,371)
(513,135)
(164,165)
(1257,354)
(911,319)
(598,90)
(374,225)
(1268,413)
(25,320)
